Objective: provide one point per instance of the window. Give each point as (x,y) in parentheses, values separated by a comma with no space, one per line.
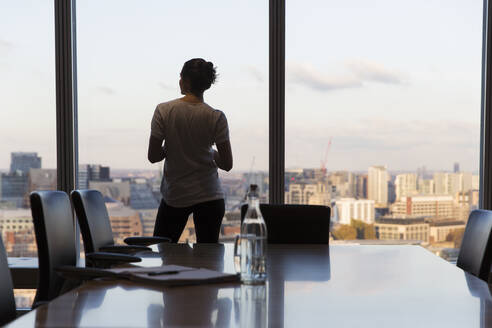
(381,108)
(125,69)
(27,121)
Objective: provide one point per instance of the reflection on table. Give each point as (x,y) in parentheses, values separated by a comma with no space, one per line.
(309,285)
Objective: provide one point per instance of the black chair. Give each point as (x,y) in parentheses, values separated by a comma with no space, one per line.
(295,224)
(55,238)
(475,254)
(96,228)
(7,301)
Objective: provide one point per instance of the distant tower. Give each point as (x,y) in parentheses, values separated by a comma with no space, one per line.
(456,167)
(23,162)
(405,185)
(92,172)
(377,185)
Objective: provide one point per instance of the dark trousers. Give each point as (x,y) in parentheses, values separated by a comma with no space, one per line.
(207,216)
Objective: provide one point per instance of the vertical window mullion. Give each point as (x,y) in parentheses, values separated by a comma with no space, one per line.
(64,95)
(486,115)
(276,101)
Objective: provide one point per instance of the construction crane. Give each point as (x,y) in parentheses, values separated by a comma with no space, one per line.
(325,158)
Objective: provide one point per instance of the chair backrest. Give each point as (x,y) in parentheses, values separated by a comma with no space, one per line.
(93,219)
(295,224)
(55,236)
(7,301)
(475,254)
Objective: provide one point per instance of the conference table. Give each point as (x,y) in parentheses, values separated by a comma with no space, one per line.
(308,286)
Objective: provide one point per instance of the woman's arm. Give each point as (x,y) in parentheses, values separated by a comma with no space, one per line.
(223,156)
(156,151)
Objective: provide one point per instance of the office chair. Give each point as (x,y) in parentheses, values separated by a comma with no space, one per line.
(7,301)
(295,224)
(55,238)
(475,254)
(96,227)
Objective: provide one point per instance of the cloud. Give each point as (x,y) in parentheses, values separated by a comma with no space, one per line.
(256,73)
(370,71)
(400,144)
(165,86)
(106,90)
(311,77)
(355,74)
(5,47)
(5,44)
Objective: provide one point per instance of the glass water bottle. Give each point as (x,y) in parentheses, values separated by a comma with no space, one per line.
(253,241)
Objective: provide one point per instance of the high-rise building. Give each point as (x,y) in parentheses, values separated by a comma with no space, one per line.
(344,183)
(308,193)
(425,186)
(475,182)
(357,209)
(361,186)
(92,172)
(99,173)
(405,185)
(422,172)
(465,181)
(456,167)
(446,183)
(391,190)
(377,185)
(23,162)
(451,183)
(83,177)
(13,187)
(40,179)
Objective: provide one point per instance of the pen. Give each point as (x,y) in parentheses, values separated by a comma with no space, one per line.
(158,273)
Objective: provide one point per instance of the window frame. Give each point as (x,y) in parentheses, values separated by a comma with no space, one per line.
(66,101)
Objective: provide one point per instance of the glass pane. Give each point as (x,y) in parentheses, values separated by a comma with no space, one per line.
(125,70)
(383,117)
(27,118)
(27,122)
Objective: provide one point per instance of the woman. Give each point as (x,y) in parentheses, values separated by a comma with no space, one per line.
(190,184)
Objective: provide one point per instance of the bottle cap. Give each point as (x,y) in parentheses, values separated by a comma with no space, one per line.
(253,191)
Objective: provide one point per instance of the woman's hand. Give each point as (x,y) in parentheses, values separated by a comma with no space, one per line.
(223,157)
(216,156)
(157,152)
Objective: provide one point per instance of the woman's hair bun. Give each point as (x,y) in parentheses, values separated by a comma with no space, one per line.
(199,73)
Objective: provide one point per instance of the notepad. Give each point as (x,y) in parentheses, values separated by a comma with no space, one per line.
(167,275)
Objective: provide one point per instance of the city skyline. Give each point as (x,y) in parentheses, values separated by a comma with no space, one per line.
(287,169)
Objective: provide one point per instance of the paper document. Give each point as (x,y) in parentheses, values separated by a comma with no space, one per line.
(168,275)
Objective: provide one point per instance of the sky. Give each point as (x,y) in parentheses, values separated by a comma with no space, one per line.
(390,82)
